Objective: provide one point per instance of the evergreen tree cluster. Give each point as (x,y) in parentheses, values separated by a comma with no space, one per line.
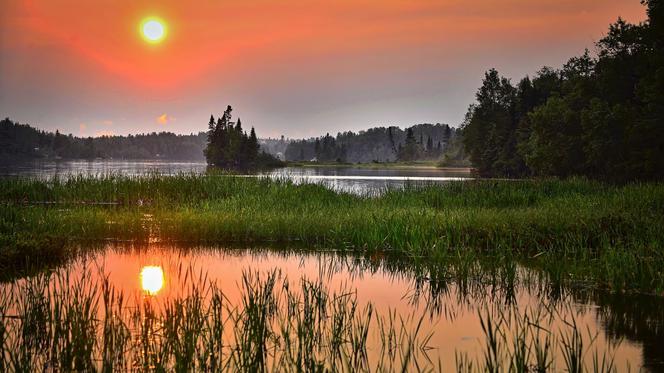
(24,142)
(230,147)
(413,150)
(601,116)
(379,144)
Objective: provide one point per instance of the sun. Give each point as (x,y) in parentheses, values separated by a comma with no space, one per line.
(153,30)
(152,279)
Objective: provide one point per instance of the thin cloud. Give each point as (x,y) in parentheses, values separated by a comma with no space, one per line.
(164,119)
(104,133)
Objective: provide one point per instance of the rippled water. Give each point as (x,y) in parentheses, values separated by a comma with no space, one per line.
(348,179)
(628,328)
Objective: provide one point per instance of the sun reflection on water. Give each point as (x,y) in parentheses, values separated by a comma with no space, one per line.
(152,279)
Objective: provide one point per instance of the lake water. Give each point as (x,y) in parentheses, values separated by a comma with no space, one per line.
(443,314)
(628,329)
(348,179)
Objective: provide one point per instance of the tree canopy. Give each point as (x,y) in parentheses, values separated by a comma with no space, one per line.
(378,144)
(230,147)
(601,116)
(24,142)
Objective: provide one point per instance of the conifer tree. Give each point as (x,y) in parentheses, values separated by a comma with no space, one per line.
(230,147)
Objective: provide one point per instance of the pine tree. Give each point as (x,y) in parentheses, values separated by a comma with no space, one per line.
(230,147)
(409,150)
(447,134)
(390,135)
(238,126)
(252,147)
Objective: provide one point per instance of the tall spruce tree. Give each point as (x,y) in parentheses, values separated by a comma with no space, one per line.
(230,147)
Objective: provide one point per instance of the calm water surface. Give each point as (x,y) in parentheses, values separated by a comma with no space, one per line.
(349,179)
(629,328)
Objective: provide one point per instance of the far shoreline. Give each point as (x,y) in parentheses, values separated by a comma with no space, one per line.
(424,165)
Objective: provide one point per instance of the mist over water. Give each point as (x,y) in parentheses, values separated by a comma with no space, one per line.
(357,180)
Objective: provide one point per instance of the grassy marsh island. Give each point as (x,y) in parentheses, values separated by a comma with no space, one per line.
(578,230)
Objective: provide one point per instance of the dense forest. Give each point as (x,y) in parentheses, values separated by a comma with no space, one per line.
(21,141)
(601,116)
(230,147)
(420,142)
(380,144)
(276,147)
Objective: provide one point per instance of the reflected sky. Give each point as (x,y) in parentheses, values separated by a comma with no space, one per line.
(451,307)
(345,179)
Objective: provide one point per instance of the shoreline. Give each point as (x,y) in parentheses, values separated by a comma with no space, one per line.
(576,229)
(391,165)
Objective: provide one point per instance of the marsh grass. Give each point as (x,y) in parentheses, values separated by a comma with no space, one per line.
(524,341)
(68,321)
(65,324)
(577,230)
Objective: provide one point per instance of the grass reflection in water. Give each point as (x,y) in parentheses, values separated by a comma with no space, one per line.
(81,317)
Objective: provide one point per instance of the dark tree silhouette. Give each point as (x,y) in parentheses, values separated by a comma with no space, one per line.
(230,147)
(378,144)
(22,142)
(601,117)
(410,150)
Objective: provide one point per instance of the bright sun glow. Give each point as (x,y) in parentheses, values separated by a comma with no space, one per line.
(153,30)
(152,279)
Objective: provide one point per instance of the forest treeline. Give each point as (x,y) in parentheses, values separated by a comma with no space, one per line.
(379,144)
(22,142)
(230,147)
(600,116)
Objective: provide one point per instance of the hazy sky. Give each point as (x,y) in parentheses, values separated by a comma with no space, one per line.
(299,68)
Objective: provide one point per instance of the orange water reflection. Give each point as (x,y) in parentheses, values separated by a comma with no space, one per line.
(451,313)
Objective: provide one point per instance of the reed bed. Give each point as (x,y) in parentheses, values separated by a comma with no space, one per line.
(576,230)
(69,321)
(58,323)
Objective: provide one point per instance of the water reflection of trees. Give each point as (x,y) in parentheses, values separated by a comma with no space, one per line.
(633,317)
(453,287)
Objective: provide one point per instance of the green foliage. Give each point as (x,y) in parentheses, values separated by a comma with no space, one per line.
(554,145)
(229,146)
(601,117)
(379,144)
(576,229)
(411,149)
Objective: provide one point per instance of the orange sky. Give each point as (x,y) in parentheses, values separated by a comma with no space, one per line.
(298,68)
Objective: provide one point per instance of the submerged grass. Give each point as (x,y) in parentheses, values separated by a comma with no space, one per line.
(589,232)
(77,320)
(65,324)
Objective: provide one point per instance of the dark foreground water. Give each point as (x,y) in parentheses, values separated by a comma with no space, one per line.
(625,329)
(348,179)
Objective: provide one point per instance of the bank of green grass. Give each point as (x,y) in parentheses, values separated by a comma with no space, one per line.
(580,230)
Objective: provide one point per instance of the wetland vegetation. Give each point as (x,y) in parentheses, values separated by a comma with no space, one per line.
(578,230)
(323,266)
(212,309)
